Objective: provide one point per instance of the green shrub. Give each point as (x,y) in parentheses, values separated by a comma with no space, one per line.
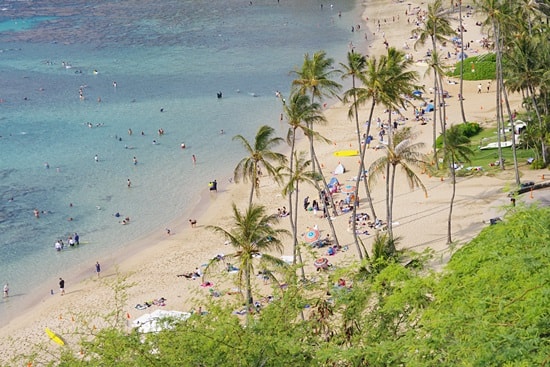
(538,164)
(484,67)
(468,129)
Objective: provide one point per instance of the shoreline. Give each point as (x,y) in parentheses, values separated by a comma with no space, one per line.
(156,259)
(77,275)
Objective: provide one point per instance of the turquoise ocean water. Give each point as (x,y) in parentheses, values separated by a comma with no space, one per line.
(170,55)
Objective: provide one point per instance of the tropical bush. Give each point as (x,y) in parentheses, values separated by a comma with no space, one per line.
(483,67)
(468,129)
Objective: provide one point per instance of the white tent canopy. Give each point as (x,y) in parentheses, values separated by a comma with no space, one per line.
(339,169)
(158,320)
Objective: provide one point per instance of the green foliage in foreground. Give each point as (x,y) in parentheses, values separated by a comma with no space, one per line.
(484,68)
(489,307)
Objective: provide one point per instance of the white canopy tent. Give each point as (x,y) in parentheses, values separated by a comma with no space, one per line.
(158,320)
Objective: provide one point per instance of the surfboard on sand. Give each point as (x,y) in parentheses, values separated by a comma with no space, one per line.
(346,153)
(53,336)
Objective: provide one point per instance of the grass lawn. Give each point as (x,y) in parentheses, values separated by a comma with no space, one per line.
(484,158)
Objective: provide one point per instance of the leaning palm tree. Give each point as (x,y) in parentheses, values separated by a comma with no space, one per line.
(455,149)
(293,176)
(356,67)
(301,116)
(252,234)
(260,155)
(402,152)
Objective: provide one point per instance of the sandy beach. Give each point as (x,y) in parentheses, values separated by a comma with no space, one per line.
(151,265)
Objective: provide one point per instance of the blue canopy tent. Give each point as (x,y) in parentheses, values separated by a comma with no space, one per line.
(429,108)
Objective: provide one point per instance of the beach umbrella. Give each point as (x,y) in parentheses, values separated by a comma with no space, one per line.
(312,235)
(321,263)
(347,189)
(417,93)
(462,56)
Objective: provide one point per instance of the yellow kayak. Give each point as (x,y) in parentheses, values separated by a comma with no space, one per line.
(53,336)
(346,153)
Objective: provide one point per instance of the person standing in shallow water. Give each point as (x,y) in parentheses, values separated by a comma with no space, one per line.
(97,268)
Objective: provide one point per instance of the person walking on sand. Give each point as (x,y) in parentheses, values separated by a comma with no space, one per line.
(479,88)
(97,268)
(62,286)
(6,289)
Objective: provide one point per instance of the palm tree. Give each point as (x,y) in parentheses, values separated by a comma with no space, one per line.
(315,78)
(498,14)
(455,149)
(260,155)
(355,66)
(436,27)
(301,115)
(461,87)
(402,152)
(252,234)
(527,62)
(296,174)
(385,81)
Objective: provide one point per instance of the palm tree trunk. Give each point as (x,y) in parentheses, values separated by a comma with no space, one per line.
(361,170)
(434,132)
(514,152)
(254,178)
(360,174)
(500,127)
(390,184)
(435,103)
(249,300)
(310,126)
(293,211)
(293,216)
(362,165)
(462,63)
(327,194)
(542,142)
(298,253)
(449,220)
